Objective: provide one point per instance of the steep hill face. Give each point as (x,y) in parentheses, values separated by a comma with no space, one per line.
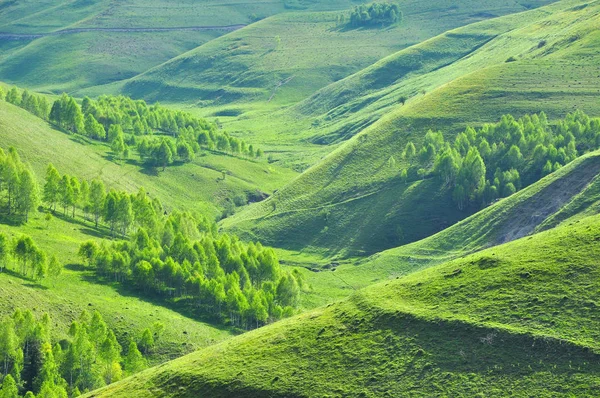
(516,319)
(373,210)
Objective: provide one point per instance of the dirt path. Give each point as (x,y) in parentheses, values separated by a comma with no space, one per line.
(17,36)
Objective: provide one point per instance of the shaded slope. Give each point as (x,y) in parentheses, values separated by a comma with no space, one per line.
(517,319)
(355,186)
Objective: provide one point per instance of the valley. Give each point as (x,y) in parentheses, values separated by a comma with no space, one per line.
(299,198)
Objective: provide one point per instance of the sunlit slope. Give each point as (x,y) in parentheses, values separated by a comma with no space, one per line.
(286,58)
(198,186)
(352,202)
(514,320)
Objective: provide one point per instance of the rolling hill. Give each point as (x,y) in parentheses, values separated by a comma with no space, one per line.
(43,42)
(197,187)
(355,186)
(517,319)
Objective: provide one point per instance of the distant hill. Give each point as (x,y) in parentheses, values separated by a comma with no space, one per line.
(516,319)
(354,186)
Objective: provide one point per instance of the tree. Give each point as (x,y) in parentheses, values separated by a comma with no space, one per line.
(134,361)
(55,268)
(110,354)
(51,187)
(27,198)
(87,251)
(9,388)
(146,342)
(8,344)
(410,151)
(66,193)
(163,155)
(4,250)
(97,199)
(117,144)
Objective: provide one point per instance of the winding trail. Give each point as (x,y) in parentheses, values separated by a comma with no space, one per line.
(30,36)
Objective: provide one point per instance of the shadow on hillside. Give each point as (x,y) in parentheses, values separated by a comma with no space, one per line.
(183,306)
(14,220)
(349,28)
(30,282)
(87,227)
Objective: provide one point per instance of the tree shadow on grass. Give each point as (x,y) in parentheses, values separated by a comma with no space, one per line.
(183,306)
(87,227)
(13,220)
(30,282)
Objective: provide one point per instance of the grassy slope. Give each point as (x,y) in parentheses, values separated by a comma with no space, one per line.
(517,320)
(245,66)
(56,63)
(354,186)
(196,187)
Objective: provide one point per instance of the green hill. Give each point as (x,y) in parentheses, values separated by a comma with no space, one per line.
(517,319)
(352,202)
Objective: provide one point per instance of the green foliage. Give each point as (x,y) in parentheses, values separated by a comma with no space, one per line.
(33,103)
(499,159)
(375,14)
(18,184)
(183,257)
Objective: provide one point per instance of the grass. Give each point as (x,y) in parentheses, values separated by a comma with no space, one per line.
(518,319)
(352,203)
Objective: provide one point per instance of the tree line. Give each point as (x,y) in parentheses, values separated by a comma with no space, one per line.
(184,258)
(374,14)
(33,362)
(160,135)
(118,209)
(496,160)
(33,103)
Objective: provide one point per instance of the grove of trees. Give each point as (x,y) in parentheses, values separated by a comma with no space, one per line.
(375,14)
(33,361)
(28,259)
(496,160)
(160,135)
(182,257)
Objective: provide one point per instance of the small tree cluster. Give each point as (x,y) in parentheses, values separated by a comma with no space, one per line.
(18,183)
(184,258)
(33,103)
(28,259)
(495,161)
(31,361)
(120,210)
(375,14)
